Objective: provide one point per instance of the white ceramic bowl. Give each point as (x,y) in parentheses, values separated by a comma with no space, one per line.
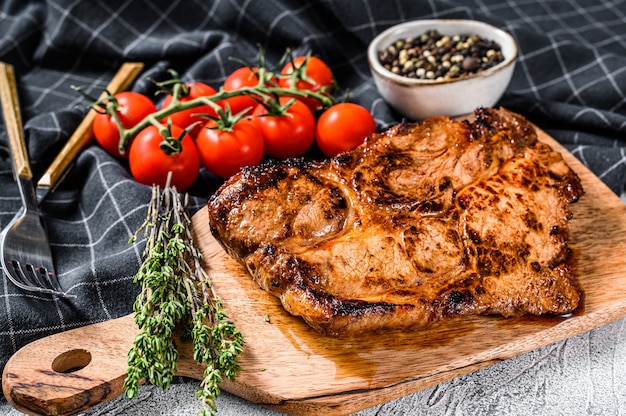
(418,99)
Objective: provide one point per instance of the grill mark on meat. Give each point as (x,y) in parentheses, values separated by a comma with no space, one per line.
(424,222)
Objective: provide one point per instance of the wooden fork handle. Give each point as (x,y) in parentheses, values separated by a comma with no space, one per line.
(13,121)
(82,136)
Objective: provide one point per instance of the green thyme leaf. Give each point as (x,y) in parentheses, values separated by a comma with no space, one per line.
(177,293)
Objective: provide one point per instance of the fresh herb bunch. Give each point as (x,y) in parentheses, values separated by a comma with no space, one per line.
(177,293)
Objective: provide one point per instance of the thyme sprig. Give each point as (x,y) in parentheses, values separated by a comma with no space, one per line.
(176,293)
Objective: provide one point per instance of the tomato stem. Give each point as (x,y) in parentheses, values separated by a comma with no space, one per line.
(260,93)
(98,105)
(266,92)
(299,73)
(174,86)
(225,120)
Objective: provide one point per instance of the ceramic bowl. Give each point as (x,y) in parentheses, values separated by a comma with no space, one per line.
(418,99)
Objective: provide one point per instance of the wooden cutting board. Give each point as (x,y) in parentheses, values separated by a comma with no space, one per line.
(288,367)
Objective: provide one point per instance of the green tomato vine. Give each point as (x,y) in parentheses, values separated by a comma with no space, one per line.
(266,93)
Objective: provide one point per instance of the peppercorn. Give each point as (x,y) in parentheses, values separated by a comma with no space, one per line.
(433,56)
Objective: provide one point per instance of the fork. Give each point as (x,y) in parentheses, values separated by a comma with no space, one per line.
(24,248)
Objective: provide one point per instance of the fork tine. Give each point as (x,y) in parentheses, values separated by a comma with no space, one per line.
(27,274)
(38,275)
(49,277)
(28,277)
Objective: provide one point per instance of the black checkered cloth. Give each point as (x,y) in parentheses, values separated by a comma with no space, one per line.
(570,80)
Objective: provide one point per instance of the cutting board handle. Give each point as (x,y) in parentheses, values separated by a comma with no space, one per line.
(71,371)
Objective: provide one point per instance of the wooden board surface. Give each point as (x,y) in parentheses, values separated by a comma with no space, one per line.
(287,366)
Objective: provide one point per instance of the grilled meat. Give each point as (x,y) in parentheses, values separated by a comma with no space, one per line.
(422,223)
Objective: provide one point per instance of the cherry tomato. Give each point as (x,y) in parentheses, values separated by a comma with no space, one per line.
(187,117)
(225,152)
(132,107)
(149,164)
(342,127)
(288,135)
(316,70)
(242,77)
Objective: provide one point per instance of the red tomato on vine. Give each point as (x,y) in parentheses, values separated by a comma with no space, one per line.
(289,134)
(150,161)
(131,108)
(225,151)
(342,127)
(240,78)
(186,118)
(312,74)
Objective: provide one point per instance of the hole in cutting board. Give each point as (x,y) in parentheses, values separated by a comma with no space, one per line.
(71,361)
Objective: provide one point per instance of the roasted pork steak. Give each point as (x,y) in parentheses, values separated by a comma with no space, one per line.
(422,223)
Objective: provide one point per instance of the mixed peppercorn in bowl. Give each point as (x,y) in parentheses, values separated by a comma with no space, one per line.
(426,68)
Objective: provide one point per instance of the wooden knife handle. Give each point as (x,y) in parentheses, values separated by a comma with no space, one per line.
(13,121)
(71,371)
(122,79)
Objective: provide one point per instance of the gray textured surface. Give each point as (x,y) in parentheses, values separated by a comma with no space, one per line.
(583,375)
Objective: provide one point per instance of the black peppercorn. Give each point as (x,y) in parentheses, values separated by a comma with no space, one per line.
(433,56)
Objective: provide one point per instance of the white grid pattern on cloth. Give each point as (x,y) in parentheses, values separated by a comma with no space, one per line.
(570,80)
